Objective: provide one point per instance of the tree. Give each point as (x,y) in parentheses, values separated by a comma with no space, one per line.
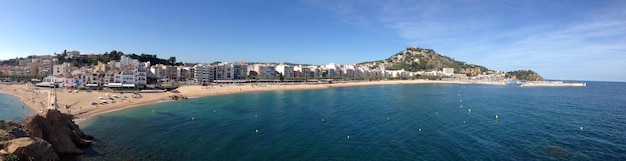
(171,60)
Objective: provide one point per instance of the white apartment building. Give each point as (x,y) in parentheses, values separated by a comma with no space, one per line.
(125,60)
(448,72)
(142,74)
(129,72)
(348,71)
(329,71)
(72,54)
(158,71)
(224,71)
(264,71)
(204,73)
(285,70)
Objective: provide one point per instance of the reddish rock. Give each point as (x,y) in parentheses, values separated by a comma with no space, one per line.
(30,148)
(57,129)
(4,135)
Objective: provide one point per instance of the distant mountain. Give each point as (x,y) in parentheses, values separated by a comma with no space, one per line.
(527,75)
(415,59)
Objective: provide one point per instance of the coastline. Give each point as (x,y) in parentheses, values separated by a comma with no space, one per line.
(21,91)
(80,106)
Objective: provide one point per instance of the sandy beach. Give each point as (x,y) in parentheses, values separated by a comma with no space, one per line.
(80,104)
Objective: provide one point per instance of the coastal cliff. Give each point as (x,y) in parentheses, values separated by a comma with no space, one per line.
(45,136)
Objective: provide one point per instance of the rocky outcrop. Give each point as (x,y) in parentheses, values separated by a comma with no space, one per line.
(59,130)
(43,137)
(30,148)
(4,135)
(5,127)
(527,75)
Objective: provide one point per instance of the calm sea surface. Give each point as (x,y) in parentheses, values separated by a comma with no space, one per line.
(384,122)
(12,108)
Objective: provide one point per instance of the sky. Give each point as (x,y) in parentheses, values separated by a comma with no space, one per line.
(559,39)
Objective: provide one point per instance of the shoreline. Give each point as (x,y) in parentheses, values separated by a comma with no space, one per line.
(79,120)
(27,101)
(82,109)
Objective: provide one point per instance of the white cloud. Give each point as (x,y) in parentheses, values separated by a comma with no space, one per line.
(500,39)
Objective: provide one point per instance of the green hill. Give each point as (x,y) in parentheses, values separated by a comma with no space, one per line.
(527,75)
(415,59)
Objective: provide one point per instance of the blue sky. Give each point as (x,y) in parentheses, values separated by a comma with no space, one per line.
(573,39)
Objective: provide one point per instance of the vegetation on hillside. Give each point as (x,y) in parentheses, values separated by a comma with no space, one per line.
(527,75)
(114,55)
(418,59)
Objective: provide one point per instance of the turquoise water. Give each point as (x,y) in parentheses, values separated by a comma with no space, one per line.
(386,122)
(12,108)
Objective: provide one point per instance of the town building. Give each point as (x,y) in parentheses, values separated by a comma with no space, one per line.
(285,70)
(204,73)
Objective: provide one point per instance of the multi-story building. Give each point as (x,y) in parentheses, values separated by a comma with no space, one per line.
(109,77)
(34,67)
(19,70)
(23,62)
(231,71)
(125,60)
(72,54)
(102,67)
(61,69)
(185,73)
(171,72)
(142,74)
(285,70)
(264,71)
(127,75)
(127,72)
(448,72)
(204,73)
(348,71)
(46,67)
(329,71)
(240,71)
(158,71)
(224,71)
(90,78)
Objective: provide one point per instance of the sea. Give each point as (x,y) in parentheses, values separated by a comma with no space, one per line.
(381,122)
(12,108)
